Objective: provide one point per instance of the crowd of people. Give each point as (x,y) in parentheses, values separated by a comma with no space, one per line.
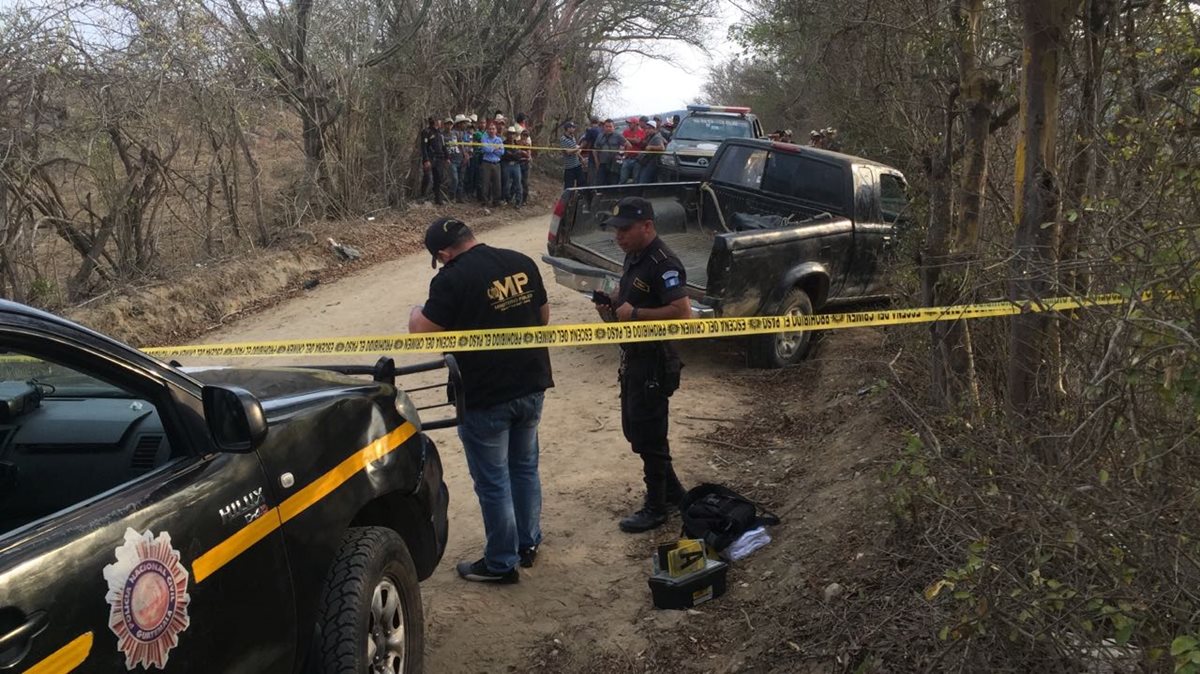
(602,156)
(824,139)
(488,161)
(463,158)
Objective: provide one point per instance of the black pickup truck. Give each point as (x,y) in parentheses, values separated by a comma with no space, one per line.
(208,519)
(772,229)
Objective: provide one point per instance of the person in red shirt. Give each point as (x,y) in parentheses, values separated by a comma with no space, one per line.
(636,135)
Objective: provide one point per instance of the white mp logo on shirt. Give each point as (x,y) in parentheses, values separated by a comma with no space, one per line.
(508,287)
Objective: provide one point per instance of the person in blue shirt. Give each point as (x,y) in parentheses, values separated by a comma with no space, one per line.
(588,141)
(489,166)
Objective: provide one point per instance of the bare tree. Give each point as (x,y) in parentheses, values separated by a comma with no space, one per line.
(1038,202)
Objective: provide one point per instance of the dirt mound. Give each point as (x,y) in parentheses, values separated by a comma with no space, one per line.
(206,297)
(174,311)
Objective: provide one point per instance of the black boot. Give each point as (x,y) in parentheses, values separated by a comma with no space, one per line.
(649,517)
(654,509)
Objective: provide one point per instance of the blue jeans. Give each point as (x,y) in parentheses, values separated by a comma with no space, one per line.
(629,170)
(607,174)
(648,173)
(501,444)
(512,183)
(524,181)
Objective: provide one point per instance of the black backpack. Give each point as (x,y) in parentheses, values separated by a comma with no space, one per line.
(719,515)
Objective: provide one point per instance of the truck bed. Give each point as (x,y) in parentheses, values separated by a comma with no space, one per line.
(692,247)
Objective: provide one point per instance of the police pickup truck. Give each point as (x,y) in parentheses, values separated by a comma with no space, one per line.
(772,229)
(210,519)
(695,141)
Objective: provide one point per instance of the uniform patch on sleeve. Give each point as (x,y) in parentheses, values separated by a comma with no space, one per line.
(671,279)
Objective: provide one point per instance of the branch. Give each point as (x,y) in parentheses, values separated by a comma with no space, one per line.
(1005,116)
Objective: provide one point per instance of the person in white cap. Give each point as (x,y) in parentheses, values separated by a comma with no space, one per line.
(648,160)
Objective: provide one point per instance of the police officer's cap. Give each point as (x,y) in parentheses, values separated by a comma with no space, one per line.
(628,211)
(443,233)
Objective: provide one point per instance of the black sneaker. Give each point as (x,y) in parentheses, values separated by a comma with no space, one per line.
(643,520)
(527,556)
(477,571)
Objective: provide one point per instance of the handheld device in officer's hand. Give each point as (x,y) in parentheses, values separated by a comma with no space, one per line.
(602,298)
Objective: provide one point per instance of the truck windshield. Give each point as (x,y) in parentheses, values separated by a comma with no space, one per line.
(700,127)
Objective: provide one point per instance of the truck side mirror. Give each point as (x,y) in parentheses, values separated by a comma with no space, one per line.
(235,418)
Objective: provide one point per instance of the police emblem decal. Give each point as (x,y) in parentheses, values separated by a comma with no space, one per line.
(147,598)
(670,279)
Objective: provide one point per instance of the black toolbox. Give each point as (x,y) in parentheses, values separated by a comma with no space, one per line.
(690,590)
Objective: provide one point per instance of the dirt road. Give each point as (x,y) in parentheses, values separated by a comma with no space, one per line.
(589,583)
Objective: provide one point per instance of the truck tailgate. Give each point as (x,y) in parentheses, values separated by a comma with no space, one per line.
(579,236)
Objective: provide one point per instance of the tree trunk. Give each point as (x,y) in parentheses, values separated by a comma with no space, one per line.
(210,184)
(549,74)
(1082,185)
(1036,210)
(260,220)
(953,242)
(934,255)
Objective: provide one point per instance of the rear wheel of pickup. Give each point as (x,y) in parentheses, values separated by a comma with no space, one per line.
(784,348)
(371,614)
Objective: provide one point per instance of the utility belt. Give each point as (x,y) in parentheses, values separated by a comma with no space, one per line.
(655,363)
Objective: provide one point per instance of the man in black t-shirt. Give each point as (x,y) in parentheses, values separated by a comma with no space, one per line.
(483,287)
(653,288)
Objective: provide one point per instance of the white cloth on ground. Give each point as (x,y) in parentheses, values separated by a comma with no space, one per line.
(746,544)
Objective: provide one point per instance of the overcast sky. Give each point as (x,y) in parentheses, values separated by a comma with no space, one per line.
(650,85)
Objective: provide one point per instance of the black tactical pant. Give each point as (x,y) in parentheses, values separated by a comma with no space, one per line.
(432,180)
(649,375)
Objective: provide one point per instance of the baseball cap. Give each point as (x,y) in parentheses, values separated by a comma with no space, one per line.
(628,211)
(594,119)
(443,233)
(652,124)
(632,120)
(568,124)
(643,119)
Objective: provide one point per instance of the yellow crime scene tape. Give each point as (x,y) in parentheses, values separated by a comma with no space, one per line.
(591,334)
(558,149)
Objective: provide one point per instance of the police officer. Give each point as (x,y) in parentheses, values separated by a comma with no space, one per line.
(652,288)
(433,159)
